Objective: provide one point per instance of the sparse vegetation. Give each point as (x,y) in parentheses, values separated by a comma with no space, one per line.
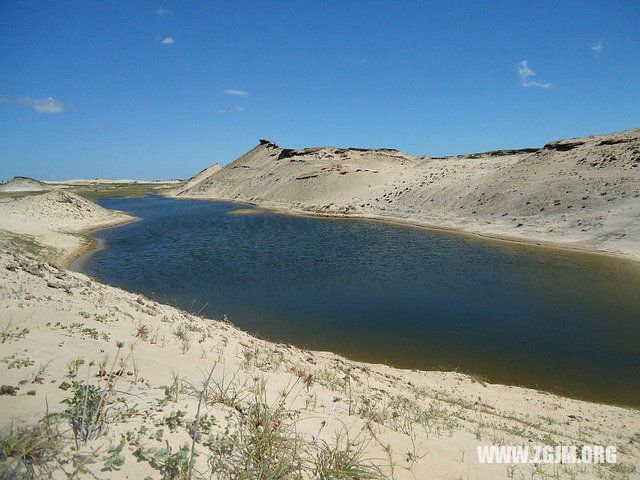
(133,190)
(142,332)
(13,361)
(73,367)
(12,333)
(26,244)
(31,452)
(78,329)
(182,335)
(344,460)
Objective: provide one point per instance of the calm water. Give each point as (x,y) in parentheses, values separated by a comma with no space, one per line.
(408,297)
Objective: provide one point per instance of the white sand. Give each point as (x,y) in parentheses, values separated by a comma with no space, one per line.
(49,218)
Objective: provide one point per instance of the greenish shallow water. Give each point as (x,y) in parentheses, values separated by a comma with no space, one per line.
(409,297)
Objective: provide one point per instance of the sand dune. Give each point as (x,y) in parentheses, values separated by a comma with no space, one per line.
(580,193)
(23,184)
(48,219)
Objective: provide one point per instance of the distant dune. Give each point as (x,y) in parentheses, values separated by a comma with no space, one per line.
(23,184)
(580,193)
(48,219)
(106,181)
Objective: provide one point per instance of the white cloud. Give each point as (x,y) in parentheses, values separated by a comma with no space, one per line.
(240,93)
(598,47)
(162,12)
(40,105)
(167,41)
(230,110)
(526,73)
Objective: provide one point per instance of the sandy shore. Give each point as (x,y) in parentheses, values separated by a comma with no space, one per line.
(58,221)
(409,424)
(581,193)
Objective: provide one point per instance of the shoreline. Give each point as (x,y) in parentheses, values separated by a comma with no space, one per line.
(93,244)
(530,243)
(76,264)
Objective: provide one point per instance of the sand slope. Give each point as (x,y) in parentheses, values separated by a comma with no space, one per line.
(200,177)
(581,193)
(47,218)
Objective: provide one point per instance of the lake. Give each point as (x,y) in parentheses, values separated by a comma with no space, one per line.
(409,297)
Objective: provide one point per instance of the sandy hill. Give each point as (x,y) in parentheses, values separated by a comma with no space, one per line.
(23,184)
(47,219)
(582,193)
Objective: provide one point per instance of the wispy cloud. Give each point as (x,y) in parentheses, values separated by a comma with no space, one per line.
(162,12)
(167,41)
(525,74)
(240,93)
(231,110)
(598,47)
(40,105)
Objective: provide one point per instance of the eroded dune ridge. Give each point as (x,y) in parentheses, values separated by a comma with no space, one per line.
(581,193)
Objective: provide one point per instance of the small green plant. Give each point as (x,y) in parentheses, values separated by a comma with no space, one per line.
(142,332)
(89,406)
(114,459)
(264,440)
(182,334)
(330,379)
(174,465)
(83,405)
(172,391)
(344,460)
(175,419)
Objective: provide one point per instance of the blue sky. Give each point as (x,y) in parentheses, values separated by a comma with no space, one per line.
(163,89)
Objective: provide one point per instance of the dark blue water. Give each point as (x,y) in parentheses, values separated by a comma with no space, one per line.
(409,297)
